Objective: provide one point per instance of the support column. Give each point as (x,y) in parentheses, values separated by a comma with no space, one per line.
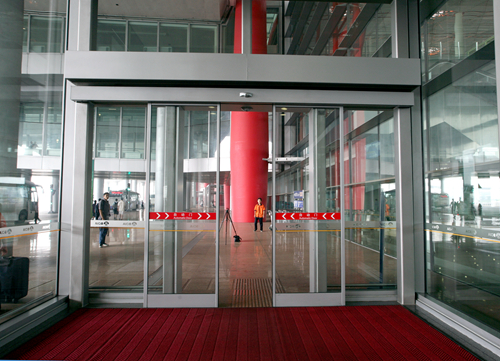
(99,188)
(11,51)
(249,130)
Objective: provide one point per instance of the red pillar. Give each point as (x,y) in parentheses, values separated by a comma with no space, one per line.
(249,131)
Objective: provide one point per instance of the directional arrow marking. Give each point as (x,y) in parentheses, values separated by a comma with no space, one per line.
(324,215)
(157,215)
(199,215)
(293,215)
(284,216)
(166,215)
(208,215)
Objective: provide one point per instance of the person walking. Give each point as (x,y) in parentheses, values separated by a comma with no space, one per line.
(103,215)
(258,213)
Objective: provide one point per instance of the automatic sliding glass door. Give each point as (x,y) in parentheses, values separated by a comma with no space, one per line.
(182,244)
(307,198)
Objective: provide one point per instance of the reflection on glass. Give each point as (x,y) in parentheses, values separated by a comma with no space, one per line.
(133,132)
(308,252)
(30,118)
(173,38)
(120,266)
(370,198)
(456,31)
(111,35)
(107,132)
(461,159)
(46,34)
(198,134)
(142,36)
(31,129)
(203,39)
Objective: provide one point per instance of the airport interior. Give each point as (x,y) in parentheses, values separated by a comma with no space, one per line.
(369,130)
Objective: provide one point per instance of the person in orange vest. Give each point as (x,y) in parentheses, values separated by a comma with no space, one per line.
(258,213)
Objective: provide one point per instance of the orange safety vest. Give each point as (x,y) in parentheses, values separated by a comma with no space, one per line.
(258,211)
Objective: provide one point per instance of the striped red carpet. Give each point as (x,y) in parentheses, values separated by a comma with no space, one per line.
(313,333)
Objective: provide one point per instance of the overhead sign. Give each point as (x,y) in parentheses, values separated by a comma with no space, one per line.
(175,216)
(304,216)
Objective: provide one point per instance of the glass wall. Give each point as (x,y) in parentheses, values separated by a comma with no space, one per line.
(461,158)
(293,28)
(337,29)
(30,152)
(153,36)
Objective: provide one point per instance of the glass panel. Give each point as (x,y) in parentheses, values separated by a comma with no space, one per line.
(462,195)
(456,31)
(198,134)
(31,129)
(111,35)
(29,181)
(46,34)
(308,252)
(133,131)
(181,252)
(173,38)
(116,260)
(203,39)
(25,33)
(107,132)
(142,36)
(330,28)
(370,200)
(53,132)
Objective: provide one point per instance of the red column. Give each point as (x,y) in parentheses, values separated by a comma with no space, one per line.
(249,131)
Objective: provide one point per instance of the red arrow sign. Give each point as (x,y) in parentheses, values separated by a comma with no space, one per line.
(311,216)
(176,216)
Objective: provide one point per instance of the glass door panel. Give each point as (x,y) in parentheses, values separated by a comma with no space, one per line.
(116,260)
(308,251)
(182,223)
(370,200)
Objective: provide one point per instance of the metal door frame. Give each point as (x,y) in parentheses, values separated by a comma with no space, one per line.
(401,102)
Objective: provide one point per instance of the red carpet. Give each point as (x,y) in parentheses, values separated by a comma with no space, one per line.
(313,333)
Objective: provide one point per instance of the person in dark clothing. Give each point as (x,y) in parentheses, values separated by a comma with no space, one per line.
(103,215)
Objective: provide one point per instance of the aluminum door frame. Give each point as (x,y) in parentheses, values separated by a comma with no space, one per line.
(312,298)
(179,300)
